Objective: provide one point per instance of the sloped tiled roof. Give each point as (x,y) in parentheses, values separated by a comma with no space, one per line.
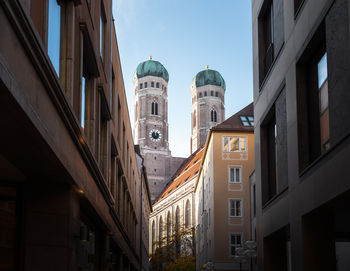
(186,172)
(234,122)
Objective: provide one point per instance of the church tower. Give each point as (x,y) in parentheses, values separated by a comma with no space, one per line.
(151,124)
(208,105)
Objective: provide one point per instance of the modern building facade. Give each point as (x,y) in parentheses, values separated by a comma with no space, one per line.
(208,105)
(70,184)
(151,124)
(301,54)
(222,193)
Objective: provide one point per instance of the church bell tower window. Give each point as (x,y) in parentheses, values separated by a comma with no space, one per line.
(154,109)
(213,115)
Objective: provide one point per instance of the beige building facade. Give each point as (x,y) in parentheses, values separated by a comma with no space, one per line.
(222,192)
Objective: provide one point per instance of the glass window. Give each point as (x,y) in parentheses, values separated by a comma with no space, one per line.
(211,93)
(234,144)
(82,113)
(205,93)
(157,85)
(102,31)
(322,70)
(200,94)
(235,242)
(54,30)
(141,86)
(235,208)
(146,84)
(226,140)
(217,94)
(235,175)
(247,120)
(152,84)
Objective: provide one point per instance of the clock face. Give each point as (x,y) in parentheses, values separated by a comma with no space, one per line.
(155,135)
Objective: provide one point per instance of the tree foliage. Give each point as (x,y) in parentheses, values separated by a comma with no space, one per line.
(174,250)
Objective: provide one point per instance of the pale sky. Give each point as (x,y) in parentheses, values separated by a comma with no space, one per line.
(185,36)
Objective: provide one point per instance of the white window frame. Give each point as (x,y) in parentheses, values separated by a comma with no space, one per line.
(229,207)
(239,143)
(230,245)
(240,174)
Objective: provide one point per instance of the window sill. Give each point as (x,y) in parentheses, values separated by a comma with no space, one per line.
(323,156)
(274,198)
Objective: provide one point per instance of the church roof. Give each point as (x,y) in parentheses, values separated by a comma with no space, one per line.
(242,121)
(152,67)
(186,172)
(209,77)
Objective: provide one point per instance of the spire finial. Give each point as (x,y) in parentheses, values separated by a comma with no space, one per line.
(207,67)
(150,57)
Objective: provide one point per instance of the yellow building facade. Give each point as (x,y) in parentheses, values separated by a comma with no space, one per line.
(222,193)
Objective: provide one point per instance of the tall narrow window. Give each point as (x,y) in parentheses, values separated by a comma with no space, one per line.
(323,102)
(154,109)
(216,94)
(235,174)
(102,31)
(54,37)
(235,242)
(270,36)
(235,208)
(312,100)
(213,115)
(200,94)
(168,228)
(211,93)
(83,102)
(152,84)
(153,236)
(160,231)
(102,146)
(146,85)
(157,85)
(140,86)
(205,93)
(188,214)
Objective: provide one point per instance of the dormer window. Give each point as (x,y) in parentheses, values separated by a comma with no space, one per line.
(247,120)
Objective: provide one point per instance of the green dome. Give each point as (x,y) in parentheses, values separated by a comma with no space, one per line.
(151,67)
(209,77)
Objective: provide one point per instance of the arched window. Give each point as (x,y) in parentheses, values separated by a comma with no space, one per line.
(145,84)
(152,84)
(153,236)
(168,228)
(205,93)
(154,109)
(217,94)
(141,86)
(211,93)
(177,230)
(213,115)
(160,231)
(177,219)
(188,214)
(200,94)
(157,85)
